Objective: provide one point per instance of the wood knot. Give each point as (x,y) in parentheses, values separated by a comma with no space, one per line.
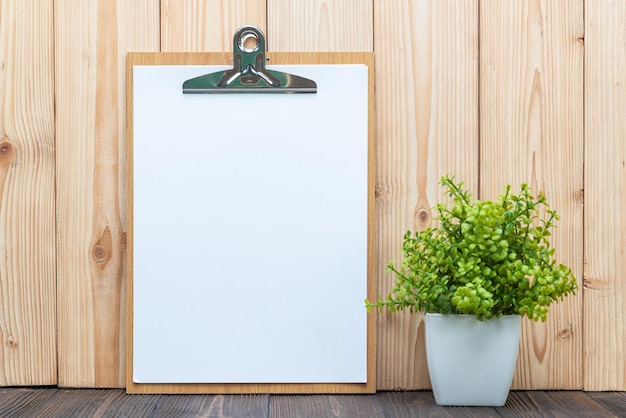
(381,191)
(100,254)
(123,241)
(102,249)
(423,215)
(580,196)
(422,218)
(565,333)
(6,149)
(590,283)
(11,342)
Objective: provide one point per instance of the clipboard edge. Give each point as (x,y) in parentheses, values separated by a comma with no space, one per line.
(275,58)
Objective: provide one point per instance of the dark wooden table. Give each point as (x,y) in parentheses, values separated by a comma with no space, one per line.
(54,402)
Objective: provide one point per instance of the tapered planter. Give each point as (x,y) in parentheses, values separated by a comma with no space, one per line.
(471,362)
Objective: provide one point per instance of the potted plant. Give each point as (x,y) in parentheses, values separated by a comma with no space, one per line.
(484,266)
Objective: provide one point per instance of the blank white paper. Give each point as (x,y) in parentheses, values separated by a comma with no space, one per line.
(250,230)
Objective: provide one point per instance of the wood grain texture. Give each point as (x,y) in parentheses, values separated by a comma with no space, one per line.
(321,406)
(320,25)
(605,195)
(427,126)
(422,404)
(22,402)
(49,402)
(612,401)
(518,404)
(276,58)
(553,404)
(91,40)
(207,25)
(569,404)
(128,406)
(191,406)
(531,131)
(73,403)
(27,224)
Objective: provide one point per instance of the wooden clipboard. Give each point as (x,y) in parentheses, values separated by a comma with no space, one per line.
(195,59)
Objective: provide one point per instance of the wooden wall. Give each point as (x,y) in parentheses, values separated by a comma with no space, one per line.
(493,92)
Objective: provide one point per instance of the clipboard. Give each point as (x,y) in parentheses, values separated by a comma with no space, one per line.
(278,185)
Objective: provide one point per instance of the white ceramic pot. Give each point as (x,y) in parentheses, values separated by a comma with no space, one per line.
(471,362)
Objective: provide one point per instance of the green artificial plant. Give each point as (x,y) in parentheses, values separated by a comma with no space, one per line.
(487,258)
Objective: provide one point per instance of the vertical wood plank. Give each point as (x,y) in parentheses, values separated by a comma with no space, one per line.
(531,121)
(427,126)
(320,25)
(91,40)
(605,195)
(206,25)
(27,225)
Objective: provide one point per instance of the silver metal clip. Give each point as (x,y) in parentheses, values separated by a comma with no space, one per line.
(249,74)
